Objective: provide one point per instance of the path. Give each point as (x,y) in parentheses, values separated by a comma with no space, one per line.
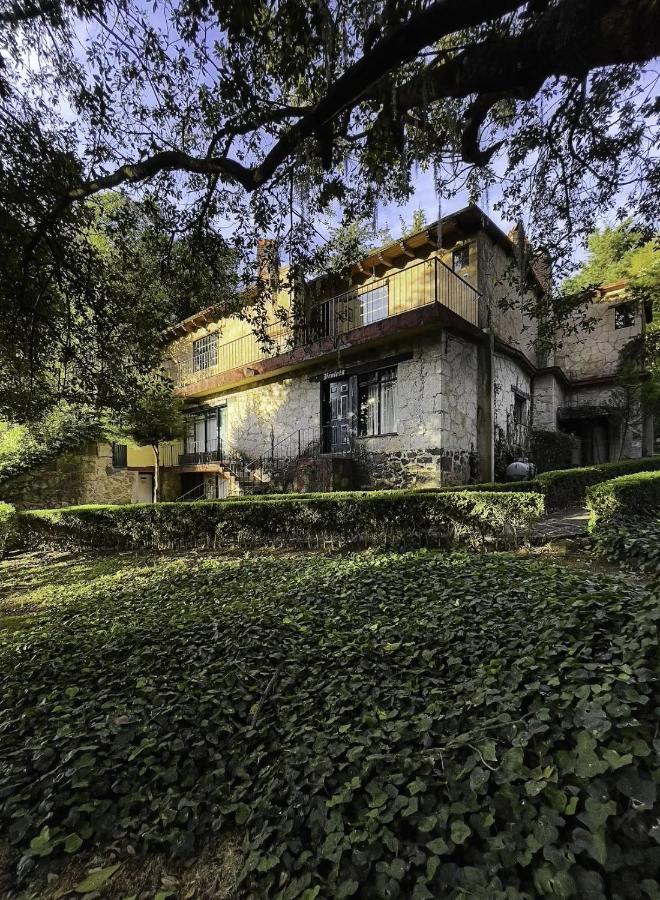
(564,523)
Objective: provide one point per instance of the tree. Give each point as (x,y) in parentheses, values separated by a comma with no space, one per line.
(257,117)
(154,416)
(619,253)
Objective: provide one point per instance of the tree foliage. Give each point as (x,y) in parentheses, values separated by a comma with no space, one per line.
(235,120)
(619,253)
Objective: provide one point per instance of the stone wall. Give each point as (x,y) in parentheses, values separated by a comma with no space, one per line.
(436,414)
(430,467)
(508,379)
(548,397)
(499,284)
(591,354)
(86,476)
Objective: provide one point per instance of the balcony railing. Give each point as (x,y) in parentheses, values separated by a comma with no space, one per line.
(427,282)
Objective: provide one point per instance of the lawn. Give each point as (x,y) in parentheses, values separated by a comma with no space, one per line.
(304,725)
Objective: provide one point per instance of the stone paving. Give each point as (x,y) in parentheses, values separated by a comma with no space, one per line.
(564,523)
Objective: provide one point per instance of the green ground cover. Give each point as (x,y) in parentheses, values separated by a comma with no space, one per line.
(372,724)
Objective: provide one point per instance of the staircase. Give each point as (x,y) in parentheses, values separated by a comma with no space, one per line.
(272,472)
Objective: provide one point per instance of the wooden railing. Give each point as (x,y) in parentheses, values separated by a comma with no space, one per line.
(426,282)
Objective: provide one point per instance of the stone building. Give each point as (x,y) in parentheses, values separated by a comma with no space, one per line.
(415,372)
(409,374)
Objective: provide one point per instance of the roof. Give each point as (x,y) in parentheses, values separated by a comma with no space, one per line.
(453,227)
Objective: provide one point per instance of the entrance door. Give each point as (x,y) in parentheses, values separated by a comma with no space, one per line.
(338,418)
(143,488)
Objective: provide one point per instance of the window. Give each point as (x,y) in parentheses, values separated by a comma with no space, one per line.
(203,430)
(374,305)
(460,258)
(119,456)
(205,352)
(624,315)
(519,410)
(377,402)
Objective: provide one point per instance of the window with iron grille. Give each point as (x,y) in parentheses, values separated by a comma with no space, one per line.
(119,456)
(377,402)
(624,315)
(460,258)
(205,352)
(374,304)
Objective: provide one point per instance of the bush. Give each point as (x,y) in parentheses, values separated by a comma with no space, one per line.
(23,448)
(7,522)
(551,449)
(636,546)
(632,496)
(569,487)
(381,519)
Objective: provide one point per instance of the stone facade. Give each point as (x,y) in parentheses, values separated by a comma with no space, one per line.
(584,354)
(430,467)
(510,380)
(436,414)
(86,476)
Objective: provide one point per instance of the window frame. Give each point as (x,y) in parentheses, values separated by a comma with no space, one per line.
(388,377)
(628,310)
(202,347)
(458,253)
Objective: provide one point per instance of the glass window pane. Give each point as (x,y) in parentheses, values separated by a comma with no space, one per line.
(388,406)
(374,304)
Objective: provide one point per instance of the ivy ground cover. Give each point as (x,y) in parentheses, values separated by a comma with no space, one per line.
(368,725)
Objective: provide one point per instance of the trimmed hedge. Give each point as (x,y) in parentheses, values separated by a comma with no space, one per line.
(387,519)
(635,496)
(7,522)
(568,487)
(636,546)
(561,488)
(551,449)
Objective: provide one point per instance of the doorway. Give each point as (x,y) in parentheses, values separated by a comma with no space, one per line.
(337,416)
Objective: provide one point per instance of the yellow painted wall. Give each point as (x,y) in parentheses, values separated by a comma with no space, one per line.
(139,456)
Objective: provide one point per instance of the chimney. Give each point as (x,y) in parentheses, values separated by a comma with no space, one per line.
(267,261)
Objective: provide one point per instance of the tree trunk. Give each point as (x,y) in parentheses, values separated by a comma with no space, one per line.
(156,449)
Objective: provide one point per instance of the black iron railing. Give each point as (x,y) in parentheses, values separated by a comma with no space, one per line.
(119,456)
(423,283)
(273,470)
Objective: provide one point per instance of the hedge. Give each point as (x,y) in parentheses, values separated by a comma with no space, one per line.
(631,497)
(568,487)
(387,519)
(561,487)
(7,521)
(636,546)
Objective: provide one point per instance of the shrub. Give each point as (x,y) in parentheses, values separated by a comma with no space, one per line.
(636,546)
(7,522)
(392,518)
(631,496)
(22,448)
(551,449)
(569,487)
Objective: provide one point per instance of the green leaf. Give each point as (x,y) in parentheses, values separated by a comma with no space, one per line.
(96,879)
(460,831)
(72,843)
(242,813)
(438,846)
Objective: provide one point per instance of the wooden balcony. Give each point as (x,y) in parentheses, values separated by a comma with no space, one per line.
(425,284)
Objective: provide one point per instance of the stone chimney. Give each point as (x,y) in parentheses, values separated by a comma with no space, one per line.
(267,261)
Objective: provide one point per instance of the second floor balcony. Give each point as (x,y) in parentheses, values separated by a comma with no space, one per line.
(425,283)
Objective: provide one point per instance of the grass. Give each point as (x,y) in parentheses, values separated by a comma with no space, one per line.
(308,725)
